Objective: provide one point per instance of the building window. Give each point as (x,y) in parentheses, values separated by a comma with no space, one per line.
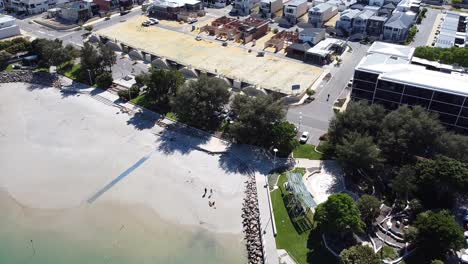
(448,119)
(390,86)
(463,122)
(464,112)
(388,105)
(368,86)
(389,96)
(419,92)
(448,98)
(365,76)
(414,101)
(445,108)
(362,94)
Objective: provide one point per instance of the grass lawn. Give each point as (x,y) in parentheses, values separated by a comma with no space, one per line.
(459,10)
(306,247)
(70,70)
(306,151)
(171,115)
(141,100)
(9,68)
(389,253)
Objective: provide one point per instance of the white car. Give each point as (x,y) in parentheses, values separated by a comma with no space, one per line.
(153,21)
(304,137)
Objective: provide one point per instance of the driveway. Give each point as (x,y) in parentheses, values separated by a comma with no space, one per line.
(315,117)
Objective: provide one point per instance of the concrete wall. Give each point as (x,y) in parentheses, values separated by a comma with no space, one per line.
(10,31)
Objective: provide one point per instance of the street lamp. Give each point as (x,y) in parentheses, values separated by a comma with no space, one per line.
(389,225)
(89,75)
(274,160)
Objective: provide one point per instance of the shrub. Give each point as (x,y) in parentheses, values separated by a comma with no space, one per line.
(104,80)
(89,28)
(133,92)
(310,92)
(4,58)
(275,30)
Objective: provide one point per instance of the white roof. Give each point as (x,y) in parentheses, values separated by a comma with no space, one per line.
(4,18)
(401,51)
(397,69)
(175,3)
(323,47)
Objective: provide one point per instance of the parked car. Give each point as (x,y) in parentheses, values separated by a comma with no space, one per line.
(122,13)
(153,21)
(145,24)
(304,137)
(198,38)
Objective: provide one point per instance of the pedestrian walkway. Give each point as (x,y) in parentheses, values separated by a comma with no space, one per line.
(285,257)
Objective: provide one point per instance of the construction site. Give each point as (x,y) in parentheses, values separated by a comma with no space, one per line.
(225,47)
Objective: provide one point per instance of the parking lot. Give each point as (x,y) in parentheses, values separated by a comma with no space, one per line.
(235,61)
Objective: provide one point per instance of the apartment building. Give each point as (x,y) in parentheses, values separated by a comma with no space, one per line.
(8,27)
(294,9)
(245,7)
(453,31)
(397,26)
(321,13)
(387,77)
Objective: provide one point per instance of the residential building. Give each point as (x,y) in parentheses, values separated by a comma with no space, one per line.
(294,9)
(387,77)
(341,4)
(322,53)
(345,23)
(282,40)
(408,5)
(268,8)
(215,3)
(8,27)
(375,25)
(2,6)
(387,9)
(28,7)
(172,9)
(321,13)
(245,7)
(246,30)
(397,26)
(79,11)
(106,5)
(312,35)
(376,3)
(360,21)
(453,31)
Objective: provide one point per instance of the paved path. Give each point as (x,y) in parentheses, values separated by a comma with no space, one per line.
(317,115)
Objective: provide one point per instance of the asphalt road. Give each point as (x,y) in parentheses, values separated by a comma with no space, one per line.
(315,116)
(425,28)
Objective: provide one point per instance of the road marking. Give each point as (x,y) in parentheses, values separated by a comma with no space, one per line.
(120,177)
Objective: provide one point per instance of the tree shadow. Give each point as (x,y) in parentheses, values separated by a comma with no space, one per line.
(334,169)
(318,253)
(177,137)
(142,120)
(253,159)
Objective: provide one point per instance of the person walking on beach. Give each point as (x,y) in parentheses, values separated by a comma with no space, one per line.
(328,97)
(203,196)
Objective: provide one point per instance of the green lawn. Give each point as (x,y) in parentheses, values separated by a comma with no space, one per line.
(141,100)
(306,151)
(306,247)
(70,70)
(389,253)
(171,115)
(9,68)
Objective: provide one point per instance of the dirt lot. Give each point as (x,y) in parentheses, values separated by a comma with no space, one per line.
(269,72)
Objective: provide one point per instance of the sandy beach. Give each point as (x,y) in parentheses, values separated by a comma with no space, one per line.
(79,172)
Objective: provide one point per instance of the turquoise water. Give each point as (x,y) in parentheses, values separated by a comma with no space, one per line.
(107,234)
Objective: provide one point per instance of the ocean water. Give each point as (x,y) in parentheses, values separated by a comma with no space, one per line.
(107,233)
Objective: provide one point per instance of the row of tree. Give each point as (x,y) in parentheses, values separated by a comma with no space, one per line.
(454,55)
(259,120)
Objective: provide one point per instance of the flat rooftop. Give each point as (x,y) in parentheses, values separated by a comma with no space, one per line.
(401,51)
(268,72)
(395,69)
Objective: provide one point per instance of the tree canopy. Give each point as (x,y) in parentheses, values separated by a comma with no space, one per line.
(52,52)
(339,215)
(437,233)
(359,254)
(256,118)
(358,152)
(197,101)
(438,181)
(161,85)
(283,136)
(95,61)
(369,206)
(409,132)
(454,55)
